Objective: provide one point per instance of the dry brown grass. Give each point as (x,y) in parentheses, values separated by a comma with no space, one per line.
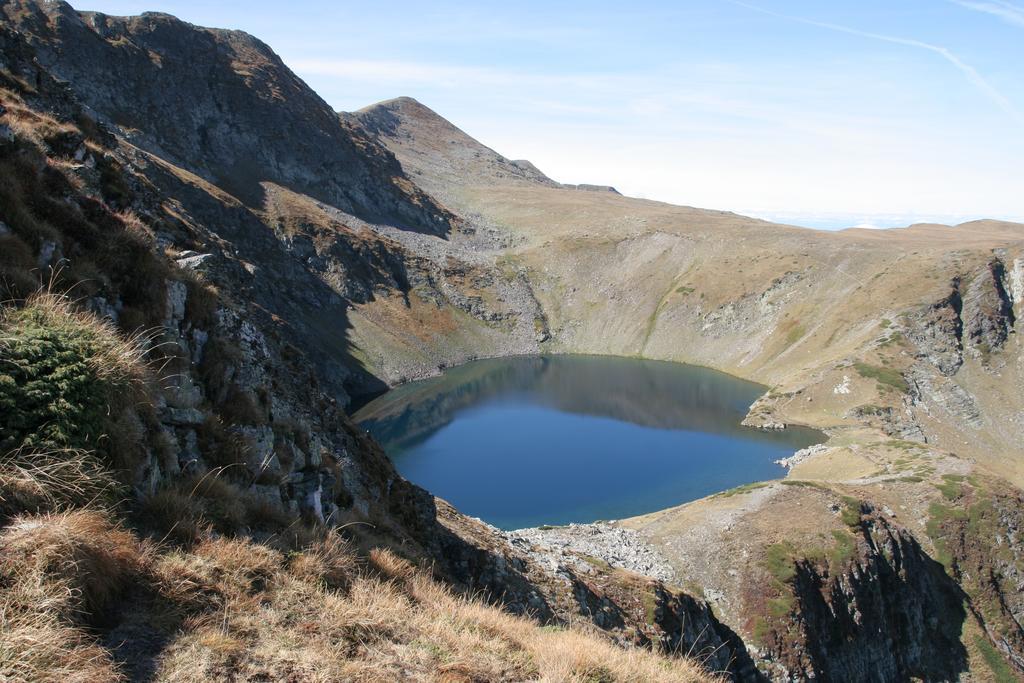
(36,647)
(235,608)
(276,619)
(34,481)
(202,301)
(75,562)
(59,571)
(40,128)
(134,226)
(186,510)
(390,566)
(328,561)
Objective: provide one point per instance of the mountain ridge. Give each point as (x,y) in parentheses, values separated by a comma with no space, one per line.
(221,135)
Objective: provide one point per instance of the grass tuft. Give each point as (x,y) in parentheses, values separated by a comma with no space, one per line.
(71,564)
(50,481)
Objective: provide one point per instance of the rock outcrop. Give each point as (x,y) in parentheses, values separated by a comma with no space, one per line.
(222,105)
(975,318)
(890,614)
(938,332)
(977,534)
(988,311)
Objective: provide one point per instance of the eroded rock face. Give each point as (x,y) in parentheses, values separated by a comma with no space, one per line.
(974,319)
(243,118)
(944,392)
(988,311)
(881,610)
(981,542)
(893,614)
(937,332)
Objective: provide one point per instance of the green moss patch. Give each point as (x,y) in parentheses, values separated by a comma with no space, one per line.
(780,561)
(744,488)
(851,512)
(843,549)
(951,486)
(803,483)
(1001,671)
(886,377)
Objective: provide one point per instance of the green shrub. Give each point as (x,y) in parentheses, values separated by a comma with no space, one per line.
(851,512)
(61,371)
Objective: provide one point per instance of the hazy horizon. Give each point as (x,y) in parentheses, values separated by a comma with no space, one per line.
(852,114)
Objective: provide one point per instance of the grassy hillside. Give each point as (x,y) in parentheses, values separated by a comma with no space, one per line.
(94,588)
(901,345)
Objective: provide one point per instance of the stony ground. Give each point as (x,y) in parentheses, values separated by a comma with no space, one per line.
(575,544)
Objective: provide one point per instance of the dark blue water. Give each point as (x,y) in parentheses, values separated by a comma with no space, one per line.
(556,439)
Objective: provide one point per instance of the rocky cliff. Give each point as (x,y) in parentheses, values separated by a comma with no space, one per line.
(245,121)
(887,613)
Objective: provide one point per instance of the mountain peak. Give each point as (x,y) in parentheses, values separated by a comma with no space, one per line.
(222,105)
(430,145)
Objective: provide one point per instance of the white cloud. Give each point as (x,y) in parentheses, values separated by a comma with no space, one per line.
(1008,12)
(966,69)
(846,138)
(437,75)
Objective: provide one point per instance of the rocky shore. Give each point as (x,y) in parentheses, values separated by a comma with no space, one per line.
(576,546)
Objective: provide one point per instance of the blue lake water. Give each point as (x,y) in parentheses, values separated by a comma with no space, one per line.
(556,439)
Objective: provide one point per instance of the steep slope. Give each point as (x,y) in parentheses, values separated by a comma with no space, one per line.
(242,119)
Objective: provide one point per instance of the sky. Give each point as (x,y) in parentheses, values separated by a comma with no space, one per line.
(824,114)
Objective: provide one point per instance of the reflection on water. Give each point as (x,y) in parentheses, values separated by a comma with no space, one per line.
(554,439)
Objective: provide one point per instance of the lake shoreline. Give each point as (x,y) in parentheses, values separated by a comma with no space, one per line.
(577,419)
